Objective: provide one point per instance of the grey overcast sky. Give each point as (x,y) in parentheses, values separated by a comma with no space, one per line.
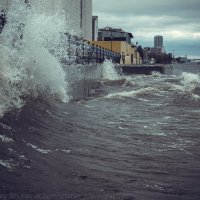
(178,21)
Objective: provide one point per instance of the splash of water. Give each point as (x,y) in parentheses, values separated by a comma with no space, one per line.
(9,80)
(30,52)
(46,71)
(109,72)
(190,79)
(188,86)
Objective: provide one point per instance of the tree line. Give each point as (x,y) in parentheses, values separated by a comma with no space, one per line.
(161,58)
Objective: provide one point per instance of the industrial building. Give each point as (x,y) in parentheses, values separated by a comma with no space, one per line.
(119,41)
(114,34)
(158,41)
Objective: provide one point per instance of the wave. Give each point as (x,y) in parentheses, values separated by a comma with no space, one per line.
(189,84)
(183,88)
(133,93)
(189,79)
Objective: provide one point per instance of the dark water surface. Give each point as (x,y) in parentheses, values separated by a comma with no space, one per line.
(138,140)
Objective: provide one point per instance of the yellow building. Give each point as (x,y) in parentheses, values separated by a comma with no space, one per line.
(124,48)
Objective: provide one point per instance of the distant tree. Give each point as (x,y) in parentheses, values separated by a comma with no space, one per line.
(161,58)
(27,2)
(178,59)
(170,58)
(152,55)
(140,51)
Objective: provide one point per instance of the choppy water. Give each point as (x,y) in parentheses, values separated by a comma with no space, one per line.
(134,140)
(137,137)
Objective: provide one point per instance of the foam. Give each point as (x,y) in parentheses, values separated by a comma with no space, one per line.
(5,139)
(132,93)
(7,163)
(43,151)
(189,83)
(109,72)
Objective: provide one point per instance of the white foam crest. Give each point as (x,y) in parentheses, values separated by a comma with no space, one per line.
(5,139)
(129,82)
(109,72)
(43,151)
(7,163)
(156,74)
(188,82)
(189,78)
(196,97)
(133,93)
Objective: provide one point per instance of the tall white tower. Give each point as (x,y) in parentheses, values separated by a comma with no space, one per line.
(158,41)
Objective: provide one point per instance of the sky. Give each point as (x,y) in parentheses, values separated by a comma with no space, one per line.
(178,21)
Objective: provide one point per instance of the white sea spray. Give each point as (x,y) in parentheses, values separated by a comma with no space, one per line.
(28,67)
(109,72)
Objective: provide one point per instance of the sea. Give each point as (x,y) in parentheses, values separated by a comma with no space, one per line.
(136,137)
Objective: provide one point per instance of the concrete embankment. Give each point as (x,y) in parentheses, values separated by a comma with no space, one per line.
(83,80)
(146,69)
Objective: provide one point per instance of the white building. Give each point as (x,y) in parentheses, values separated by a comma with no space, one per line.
(78,13)
(158,41)
(94,28)
(158,45)
(86,18)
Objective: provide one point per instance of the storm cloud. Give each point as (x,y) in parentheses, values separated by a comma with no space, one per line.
(178,22)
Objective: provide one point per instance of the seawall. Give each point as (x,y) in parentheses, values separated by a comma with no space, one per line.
(146,69)
(83,80)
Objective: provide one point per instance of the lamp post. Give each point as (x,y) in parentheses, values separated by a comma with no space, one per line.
(111,37)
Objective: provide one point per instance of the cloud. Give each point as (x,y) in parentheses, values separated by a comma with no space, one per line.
(189,8)
(175,20)
(148,26)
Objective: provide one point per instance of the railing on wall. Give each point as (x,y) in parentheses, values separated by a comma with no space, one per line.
(80,51)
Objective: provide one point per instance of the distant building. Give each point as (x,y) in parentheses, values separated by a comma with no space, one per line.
(157,50)
(119,41)
(78,13)
(94,28)
(183,59)
(158,45)
(158,41)
(114,34)
(86,15)
(146,51)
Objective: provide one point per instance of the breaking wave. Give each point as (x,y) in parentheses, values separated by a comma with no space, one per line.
(133,93)
(27,66)
(189,85)
(183,88)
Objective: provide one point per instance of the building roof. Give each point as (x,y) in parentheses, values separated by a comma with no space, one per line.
(130,34)
(119,30)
